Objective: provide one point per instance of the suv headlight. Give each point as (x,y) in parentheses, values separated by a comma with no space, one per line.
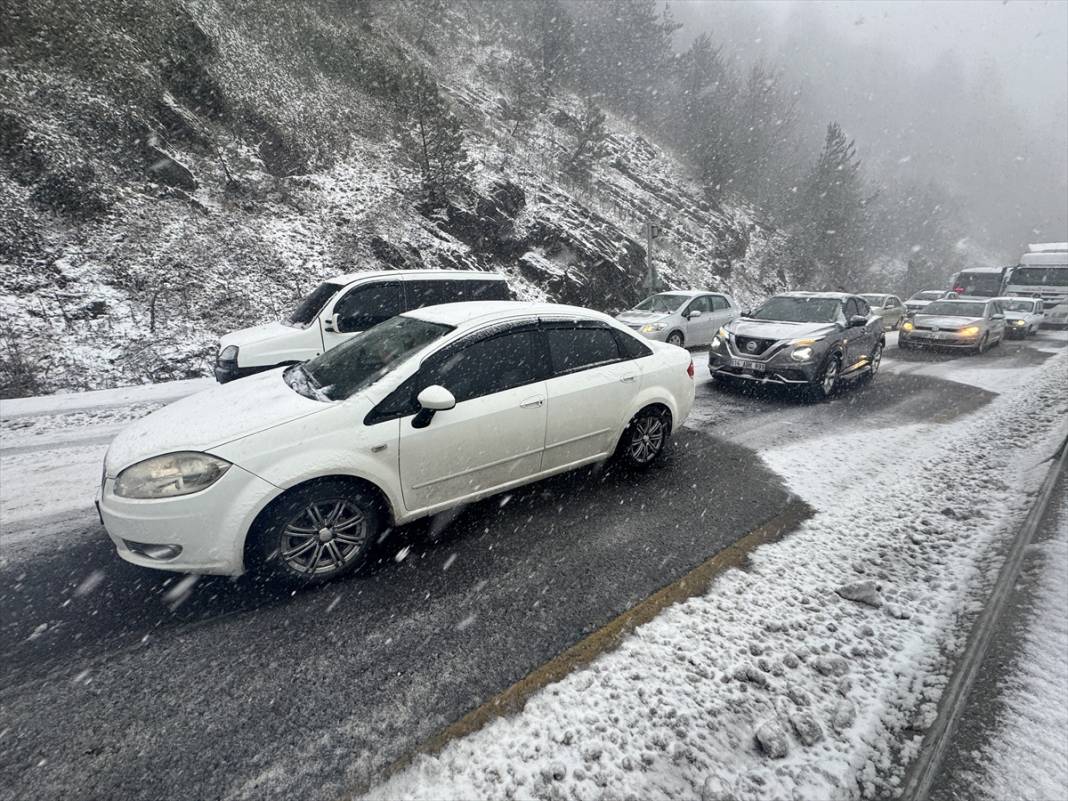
(652,328)
(1018,322)
(171,475)
(906,326)
(228,354)
(801,354)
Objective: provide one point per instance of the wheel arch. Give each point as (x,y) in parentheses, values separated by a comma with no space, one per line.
(380,495)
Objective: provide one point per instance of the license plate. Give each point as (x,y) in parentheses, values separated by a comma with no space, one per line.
(746,364)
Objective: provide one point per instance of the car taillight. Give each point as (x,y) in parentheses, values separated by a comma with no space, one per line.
(689,370)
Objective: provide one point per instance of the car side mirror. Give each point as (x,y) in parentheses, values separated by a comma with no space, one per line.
(431,400)
(998,317)
(857,321)
(694,313)
(330,324)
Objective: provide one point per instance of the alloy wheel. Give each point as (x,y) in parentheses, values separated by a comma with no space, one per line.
(675,338)
(646,438)
(323,537)
(830,377)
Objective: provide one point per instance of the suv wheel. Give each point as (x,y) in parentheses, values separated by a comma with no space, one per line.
(319,532)
(823,387)
(675,338)
(645,439)
(876,363)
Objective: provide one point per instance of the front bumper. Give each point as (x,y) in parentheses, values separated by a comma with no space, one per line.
(944,339)
(780,369)
(208,527)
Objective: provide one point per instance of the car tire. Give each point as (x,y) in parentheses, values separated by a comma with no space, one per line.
(876,362)
(317,532)
(824,386)
(677,339)
(645,439)
(980,349)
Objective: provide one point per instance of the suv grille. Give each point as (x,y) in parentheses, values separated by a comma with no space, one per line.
(742,345)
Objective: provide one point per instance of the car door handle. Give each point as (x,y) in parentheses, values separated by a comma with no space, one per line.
(532,403)
(628,378)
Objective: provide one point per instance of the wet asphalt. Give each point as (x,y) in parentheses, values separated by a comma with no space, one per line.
(115,686)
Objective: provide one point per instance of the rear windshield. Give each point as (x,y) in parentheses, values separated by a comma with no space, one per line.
(361,361)
(982,284)
(309,308)
(1017,305)
(799,310)
(662,303)
(947,308)
(1040,276)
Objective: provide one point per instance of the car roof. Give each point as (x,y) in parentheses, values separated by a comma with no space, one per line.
(966,300)
(832,295)
(412,275)
(690,293)
(470,313)
(1016,297)
(997,270)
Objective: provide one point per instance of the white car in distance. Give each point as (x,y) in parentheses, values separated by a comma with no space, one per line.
(298,470)
(1023,316)
(685,317)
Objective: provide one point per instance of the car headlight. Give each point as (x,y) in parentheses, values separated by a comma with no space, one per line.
(1018,323)
(171,475)
(906,326)
(228,354)
(970,331)
(802,354)
(716,343)
(652,328)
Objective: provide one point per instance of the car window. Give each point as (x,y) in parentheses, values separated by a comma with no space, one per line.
(719,303)
(484,290)
(863,307)
(432,293)
(631,346)
(573,349)
(366,306)
(702,304)
(852,308)
(487,366)
(308,309)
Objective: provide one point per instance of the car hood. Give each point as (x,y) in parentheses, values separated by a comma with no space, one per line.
(1015,315)
(210,418)
(257,333)
(637,316)
(941,321)
(774,329)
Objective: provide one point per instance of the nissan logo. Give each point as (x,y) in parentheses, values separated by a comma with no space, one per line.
(751,347)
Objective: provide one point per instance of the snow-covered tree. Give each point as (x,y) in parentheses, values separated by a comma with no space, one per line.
(590,137)
(434,137)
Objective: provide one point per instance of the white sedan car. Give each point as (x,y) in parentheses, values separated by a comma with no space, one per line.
(298,470)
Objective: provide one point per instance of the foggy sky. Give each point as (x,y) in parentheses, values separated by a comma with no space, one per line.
(974,94)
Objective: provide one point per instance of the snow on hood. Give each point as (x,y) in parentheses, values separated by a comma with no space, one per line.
(210,418)
(774,329)
(258,333)
(640,316)
(943,321)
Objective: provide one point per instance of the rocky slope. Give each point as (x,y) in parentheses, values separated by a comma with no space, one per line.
(172,170)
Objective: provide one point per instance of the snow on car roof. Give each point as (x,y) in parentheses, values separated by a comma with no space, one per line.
(411,275)
(799,294)
(462,314)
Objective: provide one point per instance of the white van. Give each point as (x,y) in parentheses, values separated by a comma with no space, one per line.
(342,307)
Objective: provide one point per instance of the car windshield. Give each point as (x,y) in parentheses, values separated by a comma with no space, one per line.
(875,300)
(1040,276)
(661,303)
(789,309)
(927,295)
(364,359)
(953,308)
(1017,305)
(310,306)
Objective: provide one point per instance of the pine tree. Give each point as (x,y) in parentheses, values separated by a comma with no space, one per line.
(434,137)
(831,214)
(590,138)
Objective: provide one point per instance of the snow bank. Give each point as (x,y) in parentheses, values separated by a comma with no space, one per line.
(774,685)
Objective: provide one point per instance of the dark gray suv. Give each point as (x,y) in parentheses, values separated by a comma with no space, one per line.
(809,340)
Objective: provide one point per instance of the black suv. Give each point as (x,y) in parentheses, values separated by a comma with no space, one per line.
(810,340)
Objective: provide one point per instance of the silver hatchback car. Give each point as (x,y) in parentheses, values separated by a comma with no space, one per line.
(686,318)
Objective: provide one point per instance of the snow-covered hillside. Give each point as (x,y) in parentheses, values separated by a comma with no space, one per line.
(164,184)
